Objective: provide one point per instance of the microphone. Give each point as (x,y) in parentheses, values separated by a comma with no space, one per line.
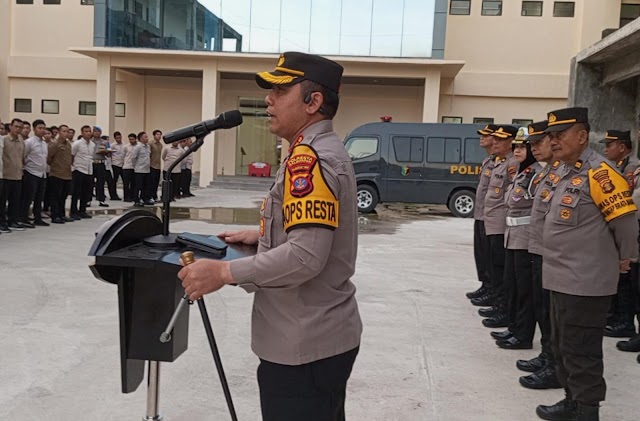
(226,120)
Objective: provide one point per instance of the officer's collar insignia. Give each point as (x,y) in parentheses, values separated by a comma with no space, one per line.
(578,164)
(296,143)
(556,164)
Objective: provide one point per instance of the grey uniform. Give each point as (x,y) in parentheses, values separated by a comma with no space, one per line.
(495,211)
(481,191)
(519,201)
(304,305)
(543,185)
(589,229)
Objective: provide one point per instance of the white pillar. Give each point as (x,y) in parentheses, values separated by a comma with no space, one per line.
(431,101)
(210,93)
(106,95)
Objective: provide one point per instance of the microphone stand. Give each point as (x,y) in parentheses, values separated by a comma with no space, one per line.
(167,240)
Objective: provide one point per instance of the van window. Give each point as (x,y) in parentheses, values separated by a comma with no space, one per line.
(408,149)
(473,153)
(443,150)
(362,147)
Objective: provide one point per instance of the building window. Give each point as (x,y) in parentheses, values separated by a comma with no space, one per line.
(491,7)
(482,120)
(531,8)
(24,1)
(50,106)
(22,105)
(87,108)
(86,2)
(629,13)
(564,9)
(120,109)
(460,7)
(521,122)
(50,1)
(455,120)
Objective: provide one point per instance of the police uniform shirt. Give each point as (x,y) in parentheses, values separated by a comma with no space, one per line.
(304,306)
(495,211)
(101,146)
(483,185)
(590,227)
(519,201)
(541,188)
(83,152)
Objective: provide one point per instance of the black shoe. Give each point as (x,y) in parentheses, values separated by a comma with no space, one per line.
(543,379)
(620,330)
(149,202)
(588,413)
(75,216)
(40,223)
(505,334)
(14,226)
(488,311)
(477,293)
(57,221)
(513,343)
(4,228)
(138,205)
(632,345)
(65,219)
(534,365)
(26,224)
(496,322)
(486,300)
(84,215)
(565,410)
(103,205)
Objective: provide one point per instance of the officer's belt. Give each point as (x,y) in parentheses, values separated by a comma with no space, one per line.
(516,222)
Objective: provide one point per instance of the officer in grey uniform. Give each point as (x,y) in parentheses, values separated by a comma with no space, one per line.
(305,323)
(590,236)
(542,187)
(480,242)
(618,149)
(495,216)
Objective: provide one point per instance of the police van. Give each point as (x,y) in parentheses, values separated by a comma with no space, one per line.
(428,163)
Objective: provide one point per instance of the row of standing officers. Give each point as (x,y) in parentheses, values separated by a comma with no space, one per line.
(555,231)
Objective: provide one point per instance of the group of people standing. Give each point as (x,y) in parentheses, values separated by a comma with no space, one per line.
(41,166)
(556,245)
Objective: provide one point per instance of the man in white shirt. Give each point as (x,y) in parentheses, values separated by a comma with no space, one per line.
(142,167)
(169,156)
(128,172)
(117,157)
(82,151)
(34,177)
(185,177)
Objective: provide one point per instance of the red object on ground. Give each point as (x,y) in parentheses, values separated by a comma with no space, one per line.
(259,169)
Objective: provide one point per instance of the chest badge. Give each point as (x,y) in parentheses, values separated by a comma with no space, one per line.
(497,190)
(576,181)
(567,200)
(565,214)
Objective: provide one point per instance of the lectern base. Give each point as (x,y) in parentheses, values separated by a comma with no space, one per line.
(153,392)
(162,241)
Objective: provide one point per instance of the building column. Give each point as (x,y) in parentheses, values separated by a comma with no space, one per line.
(431,101)
(210,93)
(106,95)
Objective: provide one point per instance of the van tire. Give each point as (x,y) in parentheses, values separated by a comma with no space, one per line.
(367,198)
(462,203)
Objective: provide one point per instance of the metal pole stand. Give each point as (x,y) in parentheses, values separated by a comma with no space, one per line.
(153,392)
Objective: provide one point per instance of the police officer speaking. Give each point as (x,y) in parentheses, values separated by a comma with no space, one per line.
(305,324)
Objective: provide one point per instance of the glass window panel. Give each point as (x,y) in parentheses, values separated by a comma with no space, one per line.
(237,15)
(564,9)
(265,27)
(521,121)
(85,2)
(120,109)
(402,148)
(325,26)
(473,153)
(295,25)
(87,108)
(24,1)
(417,149)
(386,29)
(460,7)
(482,120)
(178,27)
(361,147)
(50,106)
(417,30)
(22,105)
(492,7)
(455,120)
(452,151)
(630,11)
(355,27)
(531,8)
(435,149)
(51,2)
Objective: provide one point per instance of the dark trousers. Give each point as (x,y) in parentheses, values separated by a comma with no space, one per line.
(80,192)
(497,259)
(100,176)
(143,186)
(46,204)
(481,250)
(309,392)
(32,192)
(10,201)
(58,192)
(577,325)
(128,184)
(175,183)
(111,185)
(155,181)
(519,290)
(623,308)
(541,306)
(117,174)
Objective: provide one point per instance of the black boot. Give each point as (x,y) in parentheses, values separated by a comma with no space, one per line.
(632,345)
(486,300)
(543,379)
(588,413)
(622,329)
(505,334)
(489,311)
(534,365)
(565,410)
(501,320)
(477,293)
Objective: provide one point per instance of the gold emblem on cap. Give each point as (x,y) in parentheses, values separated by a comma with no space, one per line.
(281,60)
(520,132)
(531,130)
(552,118)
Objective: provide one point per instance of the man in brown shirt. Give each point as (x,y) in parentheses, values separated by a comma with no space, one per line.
(305,323)
(59,160)
(155,147)
(12,159)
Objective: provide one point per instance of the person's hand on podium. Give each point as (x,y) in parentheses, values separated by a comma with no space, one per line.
(204,276)
(249,237)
